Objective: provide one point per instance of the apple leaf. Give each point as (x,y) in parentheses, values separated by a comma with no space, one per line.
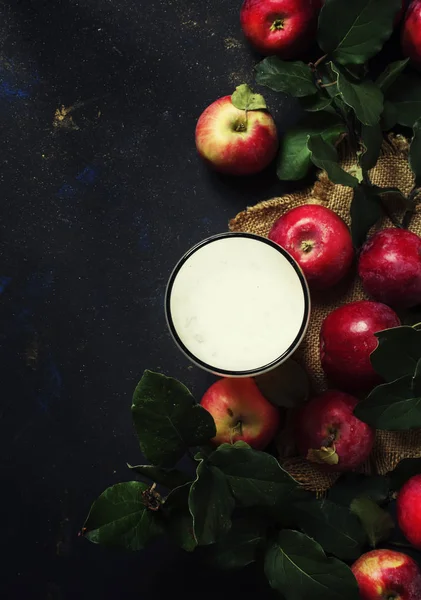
(377,523)
(407,468)
(397,353)
(392,406)
(389,116)
(244,99)
(179,521)
(294,156)
(316,102)
(415,152)
(297,567)
(169,478)
(372,138)
(294,78)
(255,478)
(240,545)
(391,73)
(323,456)
(366,210)
(120,518)
(325,156)
(351,485)
(333,526)
(211,504)
(364,97)
(168,420)
(353,32)
(405,94)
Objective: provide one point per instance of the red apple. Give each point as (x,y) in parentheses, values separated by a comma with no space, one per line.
(328,433)
(319,240)
(347,339)
(409,510)
(411,33)
(390,267)
(283,27)
(387,575)
(234,141)
(241,412)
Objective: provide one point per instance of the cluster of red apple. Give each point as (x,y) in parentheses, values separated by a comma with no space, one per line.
(326,430)
(243,142)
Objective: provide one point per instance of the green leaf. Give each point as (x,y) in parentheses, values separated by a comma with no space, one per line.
(377,523)
(389,116)
(351,485)
(294,78)
(365,97)
(353,32)
(366,210)
(405,94)
(294,157)
(244,99)
(179,521)
(407,468)
(211,504)
(391,406)
(415,152)
(397,353)
(416,380)
(372,138)
(239,546)
(325,156)
(255,478)
(391,73)
(297,567)
(169,478)
(333,526)
(286,386)
(167,419)
(120,518)
(315,103)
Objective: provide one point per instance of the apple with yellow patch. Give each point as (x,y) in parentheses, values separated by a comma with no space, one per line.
(387,575)
(236,135)
(241,412)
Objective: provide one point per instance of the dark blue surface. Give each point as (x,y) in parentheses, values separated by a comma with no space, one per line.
(97,204)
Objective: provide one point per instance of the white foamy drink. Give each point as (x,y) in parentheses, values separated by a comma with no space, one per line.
(237,304)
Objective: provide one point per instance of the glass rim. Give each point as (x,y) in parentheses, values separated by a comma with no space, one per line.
(226,372)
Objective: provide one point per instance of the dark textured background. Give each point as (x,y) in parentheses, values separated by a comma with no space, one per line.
(96,206)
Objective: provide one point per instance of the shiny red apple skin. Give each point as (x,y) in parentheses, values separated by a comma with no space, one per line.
(347,339)
(320,242)
(408,507)
(390,267)
(332,414)
(236,152)
(411,33)
(282,27)
(231,401)
(384,574)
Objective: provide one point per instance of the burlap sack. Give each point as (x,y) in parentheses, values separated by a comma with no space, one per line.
(392,170)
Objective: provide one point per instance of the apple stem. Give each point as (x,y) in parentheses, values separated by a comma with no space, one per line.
(306,246)
(326,85)
(237,429)
(318,62)
(277,25)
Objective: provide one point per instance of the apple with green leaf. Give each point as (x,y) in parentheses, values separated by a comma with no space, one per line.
(329,434)
(282,27)
(387,575)
(241,412)
(236,135)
